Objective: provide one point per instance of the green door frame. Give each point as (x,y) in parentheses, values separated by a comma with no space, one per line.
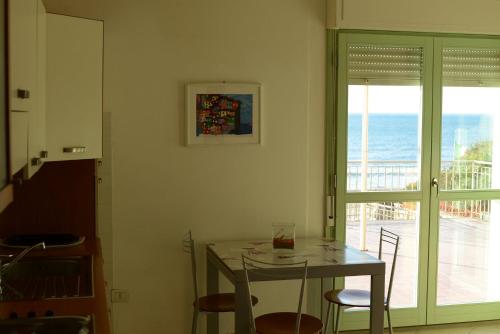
(426,312)
(452,313)
(406,316)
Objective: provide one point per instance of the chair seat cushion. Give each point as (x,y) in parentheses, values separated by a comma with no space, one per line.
(284,323)
(220,302)
(349,297)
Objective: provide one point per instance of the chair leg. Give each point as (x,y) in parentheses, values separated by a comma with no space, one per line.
(389,319)
(195,321)
(337,320)
(327,317)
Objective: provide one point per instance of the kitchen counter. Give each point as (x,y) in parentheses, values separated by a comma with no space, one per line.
(94,305)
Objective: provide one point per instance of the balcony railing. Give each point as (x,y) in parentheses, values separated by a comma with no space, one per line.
(382,175)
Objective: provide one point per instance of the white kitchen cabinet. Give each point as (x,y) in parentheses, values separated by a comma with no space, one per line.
(18,141)
(27,67)
(74,88)
(36,121)
(22,54)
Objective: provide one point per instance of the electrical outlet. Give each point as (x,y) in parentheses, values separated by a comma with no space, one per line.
(120,296)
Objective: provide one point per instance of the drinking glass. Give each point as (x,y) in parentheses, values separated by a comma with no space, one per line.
(283,236)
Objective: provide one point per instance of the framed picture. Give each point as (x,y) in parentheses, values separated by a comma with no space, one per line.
(223,113)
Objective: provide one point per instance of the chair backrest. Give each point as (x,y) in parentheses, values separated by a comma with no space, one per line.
(389,238)
(256,270)
(188,246)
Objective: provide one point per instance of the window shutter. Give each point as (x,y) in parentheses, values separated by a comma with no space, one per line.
(471,67)
(384,65)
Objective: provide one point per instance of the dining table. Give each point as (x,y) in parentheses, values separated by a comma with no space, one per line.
(326,260)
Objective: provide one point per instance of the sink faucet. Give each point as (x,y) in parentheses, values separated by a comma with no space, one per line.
(4,268)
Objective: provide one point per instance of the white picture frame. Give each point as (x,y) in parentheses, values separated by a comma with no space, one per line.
(223,113)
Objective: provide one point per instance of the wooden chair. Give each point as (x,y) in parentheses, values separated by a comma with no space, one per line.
(361,298)
(215,303)
(279,322)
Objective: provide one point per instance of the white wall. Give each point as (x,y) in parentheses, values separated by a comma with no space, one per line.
(162,188)
(454,16)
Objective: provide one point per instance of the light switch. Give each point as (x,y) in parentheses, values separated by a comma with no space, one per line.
(120,296)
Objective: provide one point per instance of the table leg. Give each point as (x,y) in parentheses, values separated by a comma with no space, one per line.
(212,288)
(377,304)
(326,285)
(242,312)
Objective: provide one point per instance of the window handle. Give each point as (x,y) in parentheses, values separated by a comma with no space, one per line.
(435,184)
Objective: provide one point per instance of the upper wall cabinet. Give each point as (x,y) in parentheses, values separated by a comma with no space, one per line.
(6,193)
(37,149)
(27,63)
(22,54)
(74,88)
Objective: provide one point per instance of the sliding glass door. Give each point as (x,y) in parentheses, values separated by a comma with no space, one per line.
(418,125)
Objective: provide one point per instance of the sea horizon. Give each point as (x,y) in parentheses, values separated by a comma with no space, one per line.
(394,136)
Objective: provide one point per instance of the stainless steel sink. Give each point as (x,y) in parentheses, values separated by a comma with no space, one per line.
(56,267)
(47,278)
(48,325)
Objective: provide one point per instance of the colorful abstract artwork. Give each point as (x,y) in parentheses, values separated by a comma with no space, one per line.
(223,113)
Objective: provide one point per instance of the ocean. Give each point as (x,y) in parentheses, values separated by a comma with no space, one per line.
(396,136)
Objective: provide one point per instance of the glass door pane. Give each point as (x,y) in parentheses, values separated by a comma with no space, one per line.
(384,138)
(469,248)
(401,218)
(470,130)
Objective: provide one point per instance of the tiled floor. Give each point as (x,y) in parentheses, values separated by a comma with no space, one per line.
(488,327)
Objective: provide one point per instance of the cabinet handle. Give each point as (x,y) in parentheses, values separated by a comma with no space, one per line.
(36,162)
(75,149)
(23,94)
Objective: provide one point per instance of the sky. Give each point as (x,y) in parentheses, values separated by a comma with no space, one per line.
(408,100)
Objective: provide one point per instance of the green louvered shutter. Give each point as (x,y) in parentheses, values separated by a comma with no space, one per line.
(384,65)
(471,67)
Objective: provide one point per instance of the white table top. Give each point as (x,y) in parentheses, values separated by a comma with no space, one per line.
(318,252)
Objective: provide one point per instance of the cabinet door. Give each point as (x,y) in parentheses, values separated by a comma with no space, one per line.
(4,126)
(22,53)
(18,141)
(37,136)
(74,88)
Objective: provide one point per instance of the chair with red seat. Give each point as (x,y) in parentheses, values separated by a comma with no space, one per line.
(215,303)
(279,322)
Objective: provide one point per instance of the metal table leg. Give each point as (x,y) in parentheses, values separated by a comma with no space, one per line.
(377,304)
(212,288)
(242,313)
(326,285)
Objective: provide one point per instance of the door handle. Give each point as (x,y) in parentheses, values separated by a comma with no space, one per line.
(435,184)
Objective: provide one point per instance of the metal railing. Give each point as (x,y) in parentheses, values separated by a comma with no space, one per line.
(383,175)
(466,175)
